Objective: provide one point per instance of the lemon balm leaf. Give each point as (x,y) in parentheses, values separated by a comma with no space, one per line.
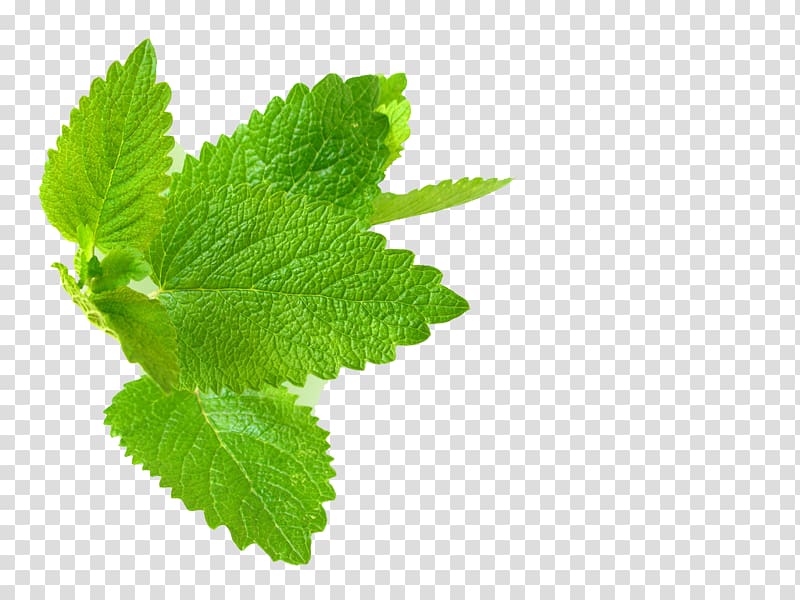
(326,142)
(262,274)
(254,462)
(265,288)
(108,170)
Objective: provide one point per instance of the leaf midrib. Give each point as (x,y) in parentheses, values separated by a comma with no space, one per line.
(104,197)
(277,293)
(238,464)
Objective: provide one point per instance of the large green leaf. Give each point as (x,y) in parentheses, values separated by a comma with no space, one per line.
(256,463)
(108,171)
(265,288)
(326,143)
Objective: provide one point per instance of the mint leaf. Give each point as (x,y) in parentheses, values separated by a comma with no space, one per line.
(326,143)
(108,170)
(256,463)
(119,267)
(140,324)
(431,198)
(397,109)
(265,288)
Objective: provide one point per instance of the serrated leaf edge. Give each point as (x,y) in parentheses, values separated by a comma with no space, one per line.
(240,543)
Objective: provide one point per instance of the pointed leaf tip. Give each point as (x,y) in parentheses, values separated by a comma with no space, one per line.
(108,169)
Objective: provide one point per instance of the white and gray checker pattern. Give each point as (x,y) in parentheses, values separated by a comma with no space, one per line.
(616,417)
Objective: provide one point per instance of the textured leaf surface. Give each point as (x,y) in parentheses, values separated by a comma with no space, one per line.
(140,324)
(326,142)
(108,170)
(265,288)
(431,198)
(256,463)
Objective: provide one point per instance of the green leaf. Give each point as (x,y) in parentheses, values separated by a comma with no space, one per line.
(431,198)
(108,170)
(118,268)
(326,143)
(256,463)
(265,288)
(397,109)
(392,88)
(140,324)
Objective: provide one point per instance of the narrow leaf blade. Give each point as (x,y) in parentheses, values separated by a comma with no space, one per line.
(431,198)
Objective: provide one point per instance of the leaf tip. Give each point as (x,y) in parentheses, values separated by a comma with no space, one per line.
(145,47)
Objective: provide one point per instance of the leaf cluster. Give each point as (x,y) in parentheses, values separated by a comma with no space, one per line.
(264,272)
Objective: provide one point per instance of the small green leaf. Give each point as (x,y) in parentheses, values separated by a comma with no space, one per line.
(392,88)
(431,198)
(139,323)
(108,170)
(254,462)
(93,268)
(117,269)
(265,288)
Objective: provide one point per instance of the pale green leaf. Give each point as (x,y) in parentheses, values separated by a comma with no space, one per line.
(431,198)
(108,170)
(392,87)
(397,109)
(139,323)
(265,288)
(256,463)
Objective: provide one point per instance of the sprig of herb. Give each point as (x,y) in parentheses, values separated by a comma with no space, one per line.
(265,272)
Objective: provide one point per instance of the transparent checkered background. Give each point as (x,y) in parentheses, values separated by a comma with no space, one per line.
(614,418)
